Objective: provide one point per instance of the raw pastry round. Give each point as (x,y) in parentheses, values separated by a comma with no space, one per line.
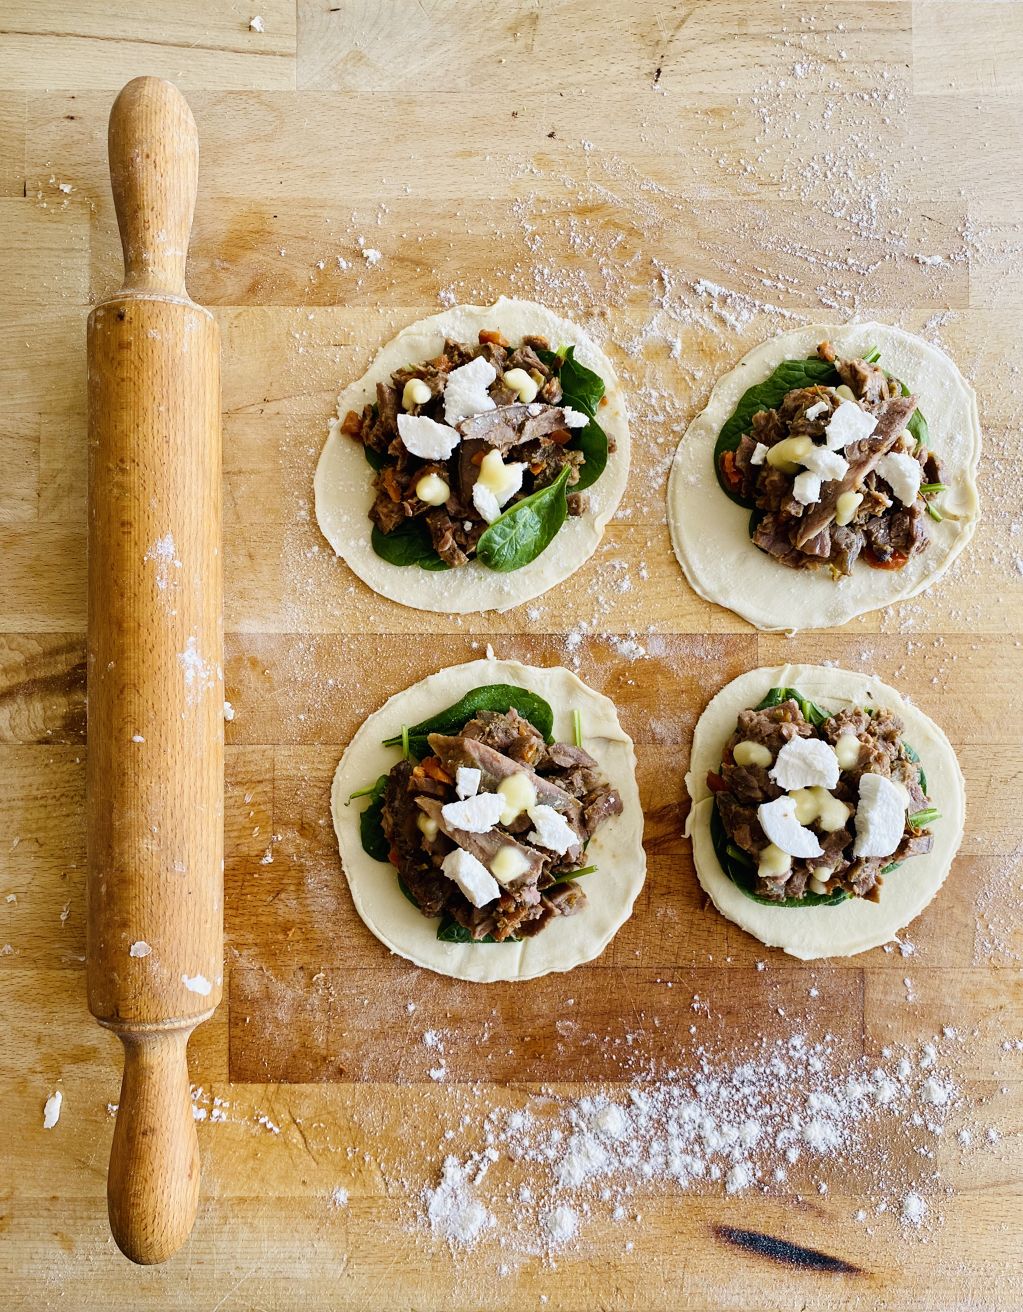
(344,481)
(854,925)
(616,848)
(710,533)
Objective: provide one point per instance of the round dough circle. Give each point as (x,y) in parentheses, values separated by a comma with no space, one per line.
(854,925)
(344,481)
(616,849)
(710,533)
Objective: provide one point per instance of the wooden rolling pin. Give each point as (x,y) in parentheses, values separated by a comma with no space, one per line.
(155,792)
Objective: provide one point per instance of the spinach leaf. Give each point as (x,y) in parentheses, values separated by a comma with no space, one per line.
(374,841)
(491,697)
(592,442)
(581,387)
(583,390)
(409,544)
(450,931)
(767,395)
(812,713)
(375,459)
(743,873)
(526,529)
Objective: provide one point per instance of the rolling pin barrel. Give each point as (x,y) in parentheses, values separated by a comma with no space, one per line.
(155,653)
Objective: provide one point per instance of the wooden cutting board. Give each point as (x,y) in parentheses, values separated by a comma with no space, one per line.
(687,179)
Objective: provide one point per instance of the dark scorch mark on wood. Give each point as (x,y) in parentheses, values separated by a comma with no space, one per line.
(780,1250)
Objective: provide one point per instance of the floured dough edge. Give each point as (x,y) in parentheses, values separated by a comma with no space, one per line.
(616,849)
(344,490)
(854,925)
(710,533)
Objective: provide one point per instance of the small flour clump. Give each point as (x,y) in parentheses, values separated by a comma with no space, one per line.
(453,1210)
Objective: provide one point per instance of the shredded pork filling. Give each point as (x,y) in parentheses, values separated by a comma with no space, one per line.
(740,789)
(535,434)
(499,745)
(882,529)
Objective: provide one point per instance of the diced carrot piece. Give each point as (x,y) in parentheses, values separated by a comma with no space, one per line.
(389,482)
(477,459)
(715,783)
(732,476)
(433,768)
(351,425)
(560,436)
(495,338)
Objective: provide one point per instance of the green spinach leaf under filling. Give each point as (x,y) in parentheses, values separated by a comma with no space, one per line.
(490,697)
(414,739)
(583,390)
(769,394)
(409,544)
(741,868)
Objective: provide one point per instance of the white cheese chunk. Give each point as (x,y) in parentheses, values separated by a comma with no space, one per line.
(475,815)
(816,410)
(828,464)
(51,1111)
(465,391)
(140,948)
(575,418)
(779,823)
(471,876)
(551,830)
(759,452)
(486,503)
(508,864)
(425,438)
(806,488)
(848,424)
(880,816)
(467,781)
(903,474)
(804,763)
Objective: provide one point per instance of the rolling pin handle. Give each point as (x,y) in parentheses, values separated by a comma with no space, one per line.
(153,1182)
(154,175)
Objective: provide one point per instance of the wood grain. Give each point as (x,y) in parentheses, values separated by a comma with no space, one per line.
(813,163)
(154,790)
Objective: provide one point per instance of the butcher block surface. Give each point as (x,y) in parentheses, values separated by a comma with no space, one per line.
(684,179)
